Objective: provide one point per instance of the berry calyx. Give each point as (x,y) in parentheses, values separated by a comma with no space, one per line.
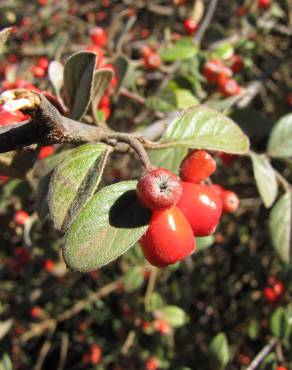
(230,201)
(168,239)
(202,207)
(190,26)
(197,166)
(159,189)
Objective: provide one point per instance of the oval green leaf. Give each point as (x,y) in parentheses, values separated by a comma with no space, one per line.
(110,223)
(265,179)
(204,128)
(167,158)
(173,316)
(219,351)
(280,224)
(280,141)
(74,181)
(280,326)
(78,82)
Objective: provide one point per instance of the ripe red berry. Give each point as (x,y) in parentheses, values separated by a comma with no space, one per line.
(38,71)
(159,189)
(49,265)
(270,295)
(190,26)
(152,364)
(237,63)
(168,239)
(152,61)
(229,87)
(106,111)
(95,354)
(197,166)
(43,62)
(46,151)
(230,201)
(211,70)
(162,327)
(36,312)
(281,367)
(98,36)
(21,217)
(264,4)
(9,118)
(202,207)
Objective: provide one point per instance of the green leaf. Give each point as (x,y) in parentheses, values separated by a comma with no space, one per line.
(219,351)
(167,158)
(265,179)
(280,141)
(205,128)
(56,72)
(279,324)
(5,362)
(280,226)
(173,316)
(4,35)
(78,82)
(122,65)
(110,223)
(183,49)
(225,51)
(155,302)
(204,242)
(253,329)
(269,362)
(102,78)
(164,102)
(133,279)
(185,99)
(75,180)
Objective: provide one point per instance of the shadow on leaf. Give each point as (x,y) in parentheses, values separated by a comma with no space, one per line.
(127,213)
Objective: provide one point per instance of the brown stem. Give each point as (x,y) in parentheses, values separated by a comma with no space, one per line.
(262,354)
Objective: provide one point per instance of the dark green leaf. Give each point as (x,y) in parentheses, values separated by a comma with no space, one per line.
(253,329)
(173,316)
(164,102)
(102,78)
(280,142)
(279,324)
(74,181)
(205,128)
(280,224)
(265,179)
(122,64)
(110,223)
(219,351)
(55,72)
(78,82)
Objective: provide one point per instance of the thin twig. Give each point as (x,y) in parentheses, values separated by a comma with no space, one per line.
(151,284)
(128,342)
(206,21)
(262,354)
(63,351)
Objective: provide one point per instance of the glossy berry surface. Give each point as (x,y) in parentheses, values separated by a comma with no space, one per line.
(229,88)
(190,26)
(159,189)
(202,207)
(168,239)
(98,36)
(197,166)
(230,201)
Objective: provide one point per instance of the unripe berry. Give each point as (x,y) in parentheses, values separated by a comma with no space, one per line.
(168,239)
(197,166)
(159,189)
(190,26)
(202,207)
(230,201)
(98,36)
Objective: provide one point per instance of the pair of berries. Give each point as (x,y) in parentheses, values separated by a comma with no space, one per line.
(180,209)
(274,290)
(40,69)
(217,73)
(150,58)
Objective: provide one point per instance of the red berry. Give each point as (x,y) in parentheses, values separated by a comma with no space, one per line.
(43,62)
(212,70)
(104,101)
(241,11)
(49,265)
(263,4)
(36,312)
(162,327)
(229,88)
(9,118)
(46,151)
(281,367)
(21,217)
(98,36)
(290,100)
(279,289)
(106,111)
(202,207)
(168,239)
(197,166)
(146,51)
(237,63)
(152,364)
(159,189)
(190,26)
(152,61)
(270,295)
(230,201)
(95,354)
(226,158)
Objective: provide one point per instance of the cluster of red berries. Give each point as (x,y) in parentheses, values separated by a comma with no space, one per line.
(274,290)
(99,39)
(150,57)
(216,72)
(181,208)
(40,69)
